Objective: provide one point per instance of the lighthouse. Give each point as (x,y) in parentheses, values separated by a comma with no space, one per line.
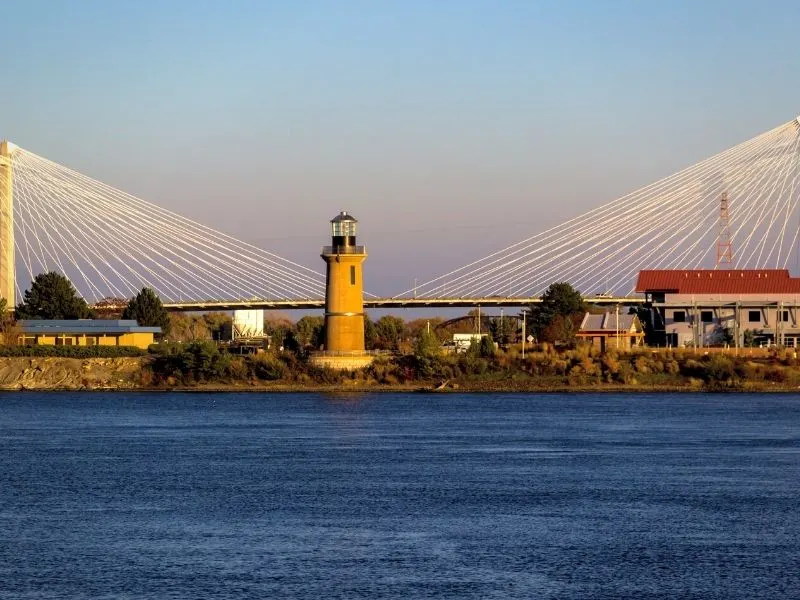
(344,297)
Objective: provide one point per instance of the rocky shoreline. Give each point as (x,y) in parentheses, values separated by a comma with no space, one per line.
(126,374)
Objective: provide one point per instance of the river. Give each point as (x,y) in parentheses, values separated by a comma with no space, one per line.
(140,495)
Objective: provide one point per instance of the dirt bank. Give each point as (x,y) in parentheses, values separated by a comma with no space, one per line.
(70,373)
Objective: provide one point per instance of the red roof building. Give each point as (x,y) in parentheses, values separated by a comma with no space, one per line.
(710,307)
(713,282)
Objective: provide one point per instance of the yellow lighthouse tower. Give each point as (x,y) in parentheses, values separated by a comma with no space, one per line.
(344,297)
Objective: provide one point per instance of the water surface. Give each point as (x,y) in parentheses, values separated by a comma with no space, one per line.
(399,496)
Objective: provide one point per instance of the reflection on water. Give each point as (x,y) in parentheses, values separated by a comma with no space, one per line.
(399,496)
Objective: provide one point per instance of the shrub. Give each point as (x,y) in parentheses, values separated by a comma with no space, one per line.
(672,367)
(693,368)
(719,369)
(71,351)
(776,374)
(325,374)
(200,361)
(266,366)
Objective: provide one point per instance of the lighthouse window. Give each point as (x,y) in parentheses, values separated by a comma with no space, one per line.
(352,275)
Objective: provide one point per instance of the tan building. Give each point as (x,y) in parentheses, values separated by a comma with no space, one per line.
(86,332)
(716,307)
(611,331)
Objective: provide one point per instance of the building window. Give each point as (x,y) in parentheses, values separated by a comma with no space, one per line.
(707,316)
(754,316)
(679,316)
(785,316)
(352,275)
(91,340)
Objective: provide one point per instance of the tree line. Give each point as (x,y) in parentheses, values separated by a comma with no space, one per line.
(555,319)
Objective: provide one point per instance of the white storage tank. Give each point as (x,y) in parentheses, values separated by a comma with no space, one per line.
(248,323)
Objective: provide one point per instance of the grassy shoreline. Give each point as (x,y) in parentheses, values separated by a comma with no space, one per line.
(202,368)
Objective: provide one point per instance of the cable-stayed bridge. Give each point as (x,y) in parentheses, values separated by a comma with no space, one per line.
(110,244)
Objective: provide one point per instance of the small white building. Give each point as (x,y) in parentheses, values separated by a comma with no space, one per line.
(461,342)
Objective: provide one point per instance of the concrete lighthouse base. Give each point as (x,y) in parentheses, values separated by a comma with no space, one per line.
(342,361)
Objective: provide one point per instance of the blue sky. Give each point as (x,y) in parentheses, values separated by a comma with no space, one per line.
(449,128)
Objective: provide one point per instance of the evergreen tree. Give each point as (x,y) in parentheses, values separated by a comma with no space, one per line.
(554,314)
(486,348)
(52,296)
(146,309)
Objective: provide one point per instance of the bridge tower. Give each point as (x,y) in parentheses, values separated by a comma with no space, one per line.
(344,297)
(7,267)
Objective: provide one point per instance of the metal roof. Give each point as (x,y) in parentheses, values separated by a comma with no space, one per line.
(608,322)
(708,281)
(83,326)
(343,216)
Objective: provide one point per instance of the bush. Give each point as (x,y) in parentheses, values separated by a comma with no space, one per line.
(200,361)
(266,366)
(720,370)
(326,374)
(71,351)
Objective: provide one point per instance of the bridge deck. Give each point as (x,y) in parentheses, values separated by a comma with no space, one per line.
(384,303)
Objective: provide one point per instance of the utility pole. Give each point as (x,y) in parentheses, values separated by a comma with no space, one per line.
(524,339)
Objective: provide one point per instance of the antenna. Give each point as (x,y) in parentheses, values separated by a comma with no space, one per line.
(724,244)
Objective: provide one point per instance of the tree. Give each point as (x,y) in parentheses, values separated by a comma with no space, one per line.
(558,300)
(370,335)
(486,348)
(187,328)
(503,329)
(52,296)
(310,331)
(277,327)
(427,344)
(427,354)
(561,329)
(220,325)
(146,309)
(390,331)
(415,326)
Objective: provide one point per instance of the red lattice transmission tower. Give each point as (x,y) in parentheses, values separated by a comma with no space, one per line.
(724,244)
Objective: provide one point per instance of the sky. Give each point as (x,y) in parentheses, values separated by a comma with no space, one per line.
(450,129)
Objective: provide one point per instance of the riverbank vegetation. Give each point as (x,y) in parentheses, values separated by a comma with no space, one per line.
(480,368)
(196,350)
